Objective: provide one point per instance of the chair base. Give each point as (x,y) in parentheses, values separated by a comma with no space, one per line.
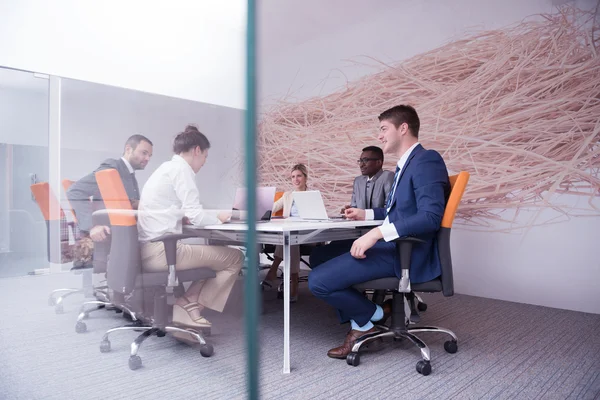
(57,302)
(135,362)
(424,366)
(81,327)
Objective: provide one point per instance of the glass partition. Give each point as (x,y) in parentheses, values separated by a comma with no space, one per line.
(23,162)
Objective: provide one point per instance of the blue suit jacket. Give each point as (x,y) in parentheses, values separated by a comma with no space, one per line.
(417,210)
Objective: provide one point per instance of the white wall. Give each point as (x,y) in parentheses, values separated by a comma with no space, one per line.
(553,265)
(184,48)
(23,117)
(97,120)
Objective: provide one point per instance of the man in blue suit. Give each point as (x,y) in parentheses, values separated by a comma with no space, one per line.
(414,208)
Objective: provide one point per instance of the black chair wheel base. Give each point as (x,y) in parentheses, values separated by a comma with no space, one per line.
(104,346)
(80,327)
(424,367)
(207,350)
(59,309)
(135,362)
(451,346)
(353,359)
(422,307)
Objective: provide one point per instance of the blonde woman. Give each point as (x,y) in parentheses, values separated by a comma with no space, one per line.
(299,176)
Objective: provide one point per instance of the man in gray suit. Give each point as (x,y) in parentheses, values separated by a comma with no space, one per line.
(373,186)
(84,195)
(371,190)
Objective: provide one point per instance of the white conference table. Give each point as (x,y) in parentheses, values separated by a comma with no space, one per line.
(286,232)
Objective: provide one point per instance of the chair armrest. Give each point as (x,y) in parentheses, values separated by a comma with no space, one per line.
(404,247)
(170,242)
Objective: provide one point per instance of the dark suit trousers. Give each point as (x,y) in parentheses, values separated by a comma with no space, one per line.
(332,281)
(321,254)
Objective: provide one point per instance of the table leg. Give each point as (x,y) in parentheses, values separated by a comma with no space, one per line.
(286,302)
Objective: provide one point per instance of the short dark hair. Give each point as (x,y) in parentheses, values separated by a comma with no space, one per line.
(402,114)
(134,140)
(376,150)
(189,139)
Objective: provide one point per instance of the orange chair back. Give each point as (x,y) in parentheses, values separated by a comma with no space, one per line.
(115,197)
(279,213)
(66,184)
(458,184)
(46,201)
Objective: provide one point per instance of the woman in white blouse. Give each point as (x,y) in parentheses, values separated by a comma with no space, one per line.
(299,177)
(169,195)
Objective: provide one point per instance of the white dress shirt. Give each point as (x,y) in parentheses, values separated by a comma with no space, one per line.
(387,229)
(129,167)
(170,194)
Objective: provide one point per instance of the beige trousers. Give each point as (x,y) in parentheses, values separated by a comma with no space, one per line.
(210,293)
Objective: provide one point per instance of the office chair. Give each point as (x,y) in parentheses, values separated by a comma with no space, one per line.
(49,205)
(150,295)
(403,290)
(98,263)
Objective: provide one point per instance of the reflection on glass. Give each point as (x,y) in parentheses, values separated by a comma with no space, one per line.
(103,270)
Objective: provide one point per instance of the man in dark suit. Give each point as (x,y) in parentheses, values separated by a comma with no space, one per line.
(84,195)
(414,208)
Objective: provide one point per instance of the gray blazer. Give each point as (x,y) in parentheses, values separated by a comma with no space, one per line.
(380,188)
(80,192)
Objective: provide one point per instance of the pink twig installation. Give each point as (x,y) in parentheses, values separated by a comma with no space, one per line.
(517,108)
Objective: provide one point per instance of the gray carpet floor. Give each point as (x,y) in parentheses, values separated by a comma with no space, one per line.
(506,351)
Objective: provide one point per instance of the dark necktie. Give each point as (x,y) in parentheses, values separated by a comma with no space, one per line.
(367,197)
(136,189)
(388,203)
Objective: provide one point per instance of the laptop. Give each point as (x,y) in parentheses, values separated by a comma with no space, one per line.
(311,207)
(265,197)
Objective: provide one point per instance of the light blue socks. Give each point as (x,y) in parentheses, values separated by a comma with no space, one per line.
(377,315)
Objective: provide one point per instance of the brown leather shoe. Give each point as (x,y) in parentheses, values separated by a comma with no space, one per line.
(351,338)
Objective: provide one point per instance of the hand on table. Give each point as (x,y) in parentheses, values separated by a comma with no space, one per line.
(355,214)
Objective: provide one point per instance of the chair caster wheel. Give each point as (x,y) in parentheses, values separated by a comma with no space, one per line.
(51,302)
(80,327)
(422,307)
(59,309)
(424,367)
(207,350)
(451,346)
(135,362)
(105,347)
(353,359)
